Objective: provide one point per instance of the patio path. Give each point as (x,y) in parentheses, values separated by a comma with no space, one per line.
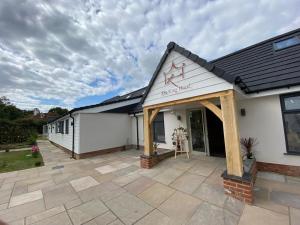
(113,189)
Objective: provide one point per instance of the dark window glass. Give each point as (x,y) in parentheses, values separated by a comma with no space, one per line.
(286,43)
(291,119)
(67,126)
(158,128)
(292,103)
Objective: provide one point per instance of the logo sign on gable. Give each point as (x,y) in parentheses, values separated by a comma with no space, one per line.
(173,78)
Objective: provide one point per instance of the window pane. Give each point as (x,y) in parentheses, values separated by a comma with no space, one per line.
(292,126)
(286,43)
(159,128)
(292,103)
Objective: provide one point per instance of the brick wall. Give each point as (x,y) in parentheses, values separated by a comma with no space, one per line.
(279,168)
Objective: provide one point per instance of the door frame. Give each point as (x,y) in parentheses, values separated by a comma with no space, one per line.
(204,127)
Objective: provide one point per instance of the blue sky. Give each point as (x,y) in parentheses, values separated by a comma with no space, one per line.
(81,52)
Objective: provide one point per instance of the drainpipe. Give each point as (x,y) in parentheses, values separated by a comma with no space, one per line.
(137,132)
(73,138)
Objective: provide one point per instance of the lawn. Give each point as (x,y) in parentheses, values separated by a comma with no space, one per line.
(18,160)
(14,146)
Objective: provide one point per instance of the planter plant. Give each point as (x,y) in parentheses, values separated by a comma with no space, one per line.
(35,151)
(248,144)
(155,145)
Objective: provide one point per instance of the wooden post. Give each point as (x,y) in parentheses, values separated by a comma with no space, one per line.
(148,142)
(231,135)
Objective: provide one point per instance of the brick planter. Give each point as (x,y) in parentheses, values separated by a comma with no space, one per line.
(241,188)
(148,162)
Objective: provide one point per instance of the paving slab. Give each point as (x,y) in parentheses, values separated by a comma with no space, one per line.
(209,214)
(139,185)
(168,175)
(259,216)
(285,198)
(188,182)
(59,195)
(235,206)
(43,215)
(5,196)
(211,193)
(59,219)
(41,185)
(25,198)
(83,183)
(271,176)
(124,180)
(87,211)
(153,218)
(104,219)
(21,211)
(128,208)
(73,203)
(105,192)
(203,168)
(295,216)
(156,194)
(179,207)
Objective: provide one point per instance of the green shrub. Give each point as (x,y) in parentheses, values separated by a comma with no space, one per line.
(32,139)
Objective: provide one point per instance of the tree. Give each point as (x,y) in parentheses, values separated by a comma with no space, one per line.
(58,110)
(8,110)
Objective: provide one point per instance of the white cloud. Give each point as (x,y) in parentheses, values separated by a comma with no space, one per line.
(55,50)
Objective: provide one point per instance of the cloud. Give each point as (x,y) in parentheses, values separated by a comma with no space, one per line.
(67,50)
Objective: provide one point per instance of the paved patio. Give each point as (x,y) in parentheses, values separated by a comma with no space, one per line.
(113,189)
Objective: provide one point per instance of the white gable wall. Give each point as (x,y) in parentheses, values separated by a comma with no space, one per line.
(199,81)
(100,131)
(65,140)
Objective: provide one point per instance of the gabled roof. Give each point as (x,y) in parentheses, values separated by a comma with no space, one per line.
(129,96)
(262,68)
(172,46)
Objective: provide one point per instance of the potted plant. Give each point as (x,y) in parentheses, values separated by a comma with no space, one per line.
(155,145)
(35,151)
(248,144)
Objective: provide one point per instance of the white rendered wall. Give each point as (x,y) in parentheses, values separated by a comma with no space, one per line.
(104,130)
(263,121)
(65,140)
(197,81)
(171,122)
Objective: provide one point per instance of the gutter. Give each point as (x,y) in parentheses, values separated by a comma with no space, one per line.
(137,132)
(73,135)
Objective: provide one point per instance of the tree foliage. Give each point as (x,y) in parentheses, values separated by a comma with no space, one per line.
(17,125)
(58,110)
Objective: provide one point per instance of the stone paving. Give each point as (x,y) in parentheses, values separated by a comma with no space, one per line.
(113,189)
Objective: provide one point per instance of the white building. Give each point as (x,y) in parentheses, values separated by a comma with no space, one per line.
(264,79)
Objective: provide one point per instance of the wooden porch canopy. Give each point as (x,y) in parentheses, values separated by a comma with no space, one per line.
(227,114)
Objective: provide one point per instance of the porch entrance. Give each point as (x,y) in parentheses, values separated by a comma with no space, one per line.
(206,133)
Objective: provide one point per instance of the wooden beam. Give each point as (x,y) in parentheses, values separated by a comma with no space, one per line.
(215,109)
(148,142)
(231,135)
(188,100)
(153,114)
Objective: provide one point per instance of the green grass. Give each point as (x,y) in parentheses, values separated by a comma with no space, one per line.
(18,160)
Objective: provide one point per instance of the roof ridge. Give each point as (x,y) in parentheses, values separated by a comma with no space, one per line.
(257,44)
(196,59)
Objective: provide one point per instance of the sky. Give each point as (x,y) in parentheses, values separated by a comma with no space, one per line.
(71,53)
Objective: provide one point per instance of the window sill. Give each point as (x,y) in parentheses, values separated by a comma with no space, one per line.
(160,142)
(292,153)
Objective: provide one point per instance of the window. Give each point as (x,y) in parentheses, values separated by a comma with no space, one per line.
(290,105)
(67,126)
(158,128)
(286,43)
(60,127)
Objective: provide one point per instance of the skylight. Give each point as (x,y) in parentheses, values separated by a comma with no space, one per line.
(128,96)
(286,43)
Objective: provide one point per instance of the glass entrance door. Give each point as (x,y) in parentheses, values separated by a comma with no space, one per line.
(197,130)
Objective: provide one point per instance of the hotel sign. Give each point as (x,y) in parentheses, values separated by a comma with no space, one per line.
(173,78)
